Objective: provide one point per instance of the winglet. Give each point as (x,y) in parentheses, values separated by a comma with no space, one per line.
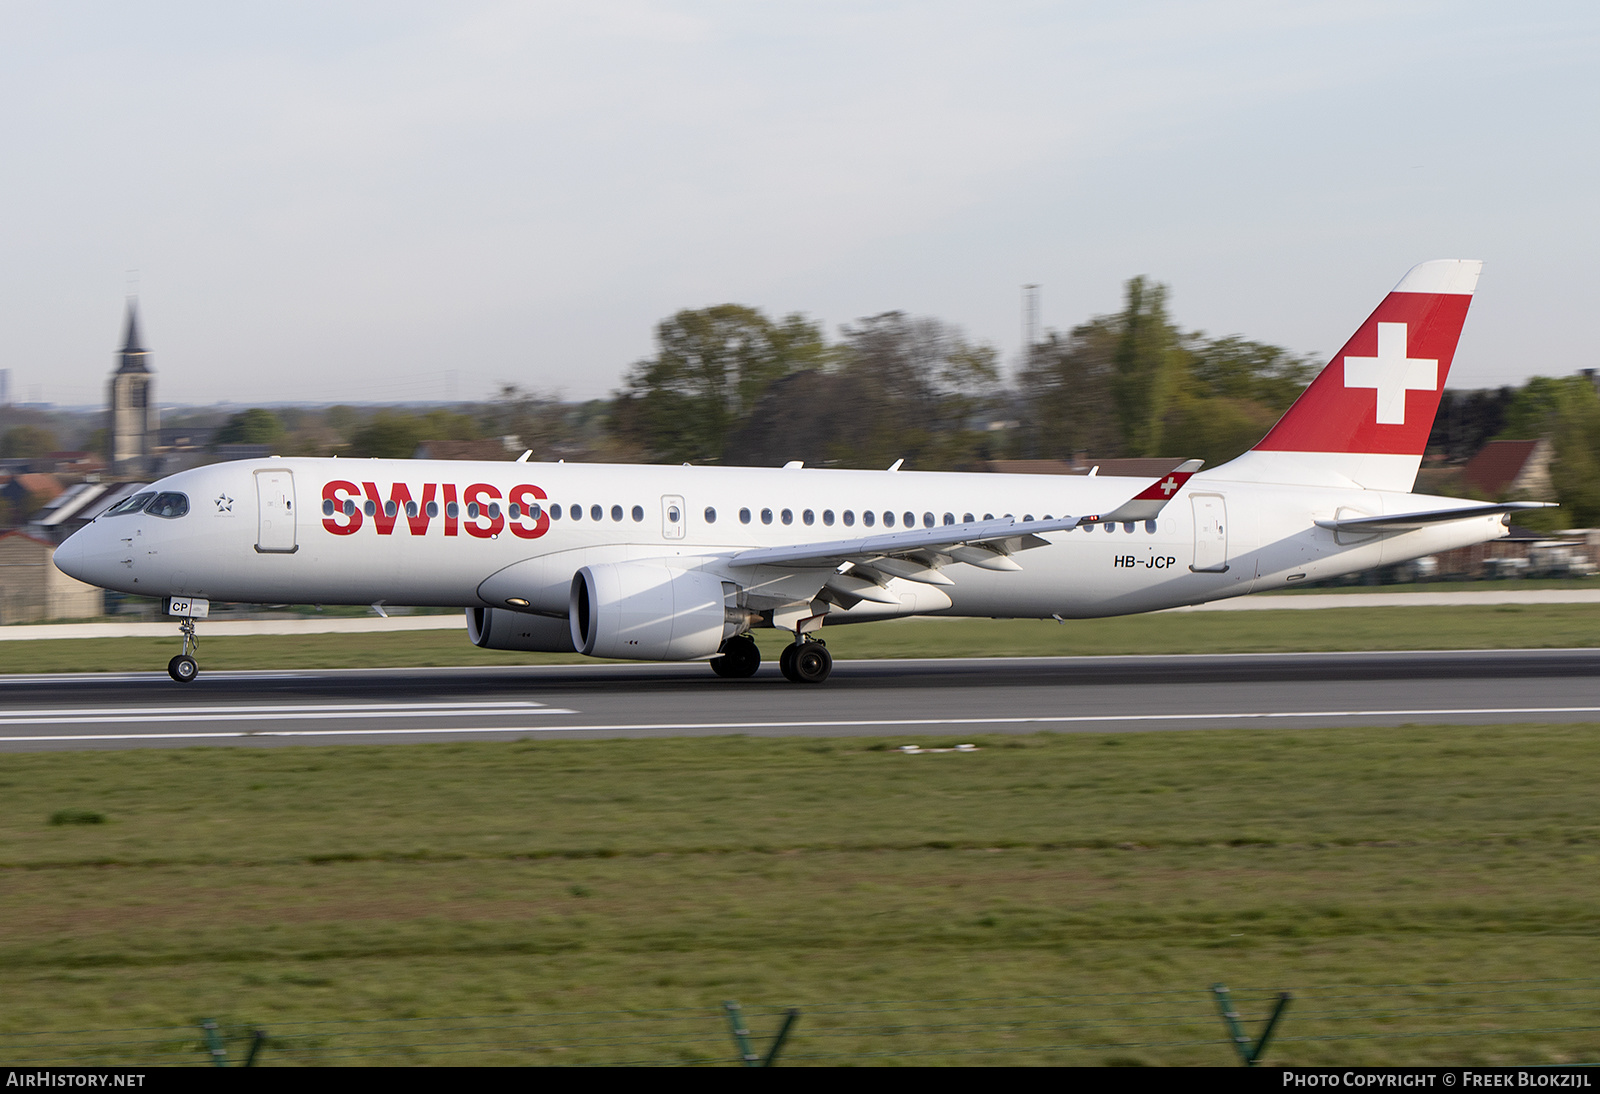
(1148,503)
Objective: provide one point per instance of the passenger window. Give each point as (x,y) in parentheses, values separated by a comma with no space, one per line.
(966,518)
(327,507)
(555,511)
(638,514)
(129,505)
(1028,517)
(451,510)
(411,509)
(711,514)
(808,518)
(616,512)
(1109,527)
(1150,527)
(370,508)
(596,513)
(744,516)
(869,518)
(827,517)
(949,518)
(888,520)
(535,512)
(988,516)
(927,520)
(766,516)
(433,509)
(170,506)
(576,511)
(909,520)
(390,508)
(1128,526)
(472,510)
(788,516)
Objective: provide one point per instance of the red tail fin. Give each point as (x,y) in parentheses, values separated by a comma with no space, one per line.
(1365,419)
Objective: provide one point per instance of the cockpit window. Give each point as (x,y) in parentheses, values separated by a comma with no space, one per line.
(170,506)
(129,505)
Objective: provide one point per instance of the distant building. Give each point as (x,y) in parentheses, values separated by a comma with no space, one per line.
(135,422)
(76,506)
(1512,470)
(31,588)
(24,493)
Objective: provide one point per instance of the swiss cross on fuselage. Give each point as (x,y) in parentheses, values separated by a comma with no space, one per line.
(1392,373)
(1169,486)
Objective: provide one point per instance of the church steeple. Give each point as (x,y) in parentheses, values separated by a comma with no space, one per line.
(133,351)
(131,436)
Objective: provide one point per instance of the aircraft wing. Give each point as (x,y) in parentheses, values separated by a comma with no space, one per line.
(1402,522)
(993,536)
(918,553)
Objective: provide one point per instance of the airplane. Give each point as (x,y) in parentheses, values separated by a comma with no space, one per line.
(659,563)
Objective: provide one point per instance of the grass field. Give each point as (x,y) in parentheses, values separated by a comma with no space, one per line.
(637,884)
(1488,627)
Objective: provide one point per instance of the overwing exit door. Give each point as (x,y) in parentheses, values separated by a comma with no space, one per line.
(275,512)
(672,522)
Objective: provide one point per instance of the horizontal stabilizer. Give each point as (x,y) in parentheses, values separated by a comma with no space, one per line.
(1401,522)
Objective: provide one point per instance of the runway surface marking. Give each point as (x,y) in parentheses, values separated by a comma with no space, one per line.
(883,723)
(117,715)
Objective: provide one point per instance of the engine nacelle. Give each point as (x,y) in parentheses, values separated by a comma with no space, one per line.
(648,611)
(499,629)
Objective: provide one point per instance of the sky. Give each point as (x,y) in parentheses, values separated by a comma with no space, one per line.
(383,202)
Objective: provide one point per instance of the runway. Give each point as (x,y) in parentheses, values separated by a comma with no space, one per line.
(906,699)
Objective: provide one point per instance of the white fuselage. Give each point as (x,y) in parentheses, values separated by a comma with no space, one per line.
(260,531)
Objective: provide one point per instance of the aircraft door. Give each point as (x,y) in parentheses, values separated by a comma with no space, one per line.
(275,514)
(672,520)
(1210,533)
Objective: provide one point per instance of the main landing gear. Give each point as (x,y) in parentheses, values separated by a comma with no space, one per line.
(804,661)
(740,658)
(184,668)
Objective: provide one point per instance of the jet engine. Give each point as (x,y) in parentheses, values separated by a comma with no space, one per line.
(648,611)
(499,629)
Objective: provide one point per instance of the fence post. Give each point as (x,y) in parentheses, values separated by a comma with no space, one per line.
(741,1035)
(257,1039)
(790,1016)
(219,1054)
(1249,1053)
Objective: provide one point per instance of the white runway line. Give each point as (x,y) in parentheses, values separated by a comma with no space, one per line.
(1073,719)
(877,723)
(119,715)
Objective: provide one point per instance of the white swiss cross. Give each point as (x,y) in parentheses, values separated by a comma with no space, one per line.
(1392,373)
(1169,486)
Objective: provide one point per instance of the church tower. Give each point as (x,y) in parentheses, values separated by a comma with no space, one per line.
(134,418)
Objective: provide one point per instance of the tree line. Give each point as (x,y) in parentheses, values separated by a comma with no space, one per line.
(730,384)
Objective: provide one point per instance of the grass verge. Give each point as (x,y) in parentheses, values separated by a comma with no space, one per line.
(378,889)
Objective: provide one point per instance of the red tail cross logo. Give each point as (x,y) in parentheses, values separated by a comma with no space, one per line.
(1392,373)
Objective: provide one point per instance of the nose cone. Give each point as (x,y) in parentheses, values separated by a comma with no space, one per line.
(72,557)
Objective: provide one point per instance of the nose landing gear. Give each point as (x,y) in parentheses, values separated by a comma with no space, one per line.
(184,668)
